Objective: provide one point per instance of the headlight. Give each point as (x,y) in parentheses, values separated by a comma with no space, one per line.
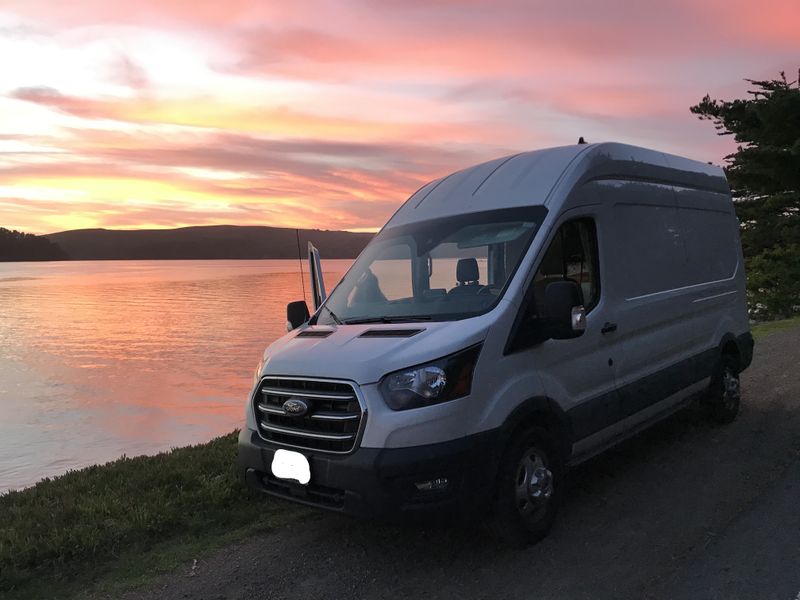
(257,374)
(439,381)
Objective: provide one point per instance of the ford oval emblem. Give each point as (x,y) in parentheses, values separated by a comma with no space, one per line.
(295,408)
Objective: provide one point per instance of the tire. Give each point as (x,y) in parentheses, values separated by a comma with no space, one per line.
(724,393)
(528,489)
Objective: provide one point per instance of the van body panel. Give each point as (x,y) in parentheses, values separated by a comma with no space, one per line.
(629,426)
(347,354)
(662,244)
(548,176)
(517,180)
(392,429)
(621,161)
(573,373)
(698,175)
(671,300)
(504,381)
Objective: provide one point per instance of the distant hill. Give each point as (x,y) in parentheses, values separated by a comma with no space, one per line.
(218,241)
(16,245)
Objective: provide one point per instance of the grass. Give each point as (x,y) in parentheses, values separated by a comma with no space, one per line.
(761,329)
(112,526)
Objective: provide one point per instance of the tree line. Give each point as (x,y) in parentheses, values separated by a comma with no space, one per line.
(16,245)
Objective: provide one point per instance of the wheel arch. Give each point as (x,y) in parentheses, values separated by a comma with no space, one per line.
(729,346)
(543,412)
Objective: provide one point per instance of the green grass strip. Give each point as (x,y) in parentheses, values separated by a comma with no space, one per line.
(128,519)
(761,329)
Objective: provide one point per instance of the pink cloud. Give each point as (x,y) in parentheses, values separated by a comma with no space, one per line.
(445,83)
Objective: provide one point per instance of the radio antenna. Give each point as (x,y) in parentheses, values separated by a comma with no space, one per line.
(300,261)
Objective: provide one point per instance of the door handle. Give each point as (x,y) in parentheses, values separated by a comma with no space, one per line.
(608,327)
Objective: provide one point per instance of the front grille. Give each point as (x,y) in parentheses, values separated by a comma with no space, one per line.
(332,422)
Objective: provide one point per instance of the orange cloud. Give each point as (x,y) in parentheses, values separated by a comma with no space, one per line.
(125,180)
(211,114)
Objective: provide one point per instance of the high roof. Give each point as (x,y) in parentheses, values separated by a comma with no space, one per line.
(543,176)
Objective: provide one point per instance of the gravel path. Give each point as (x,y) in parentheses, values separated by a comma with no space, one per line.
(684,510)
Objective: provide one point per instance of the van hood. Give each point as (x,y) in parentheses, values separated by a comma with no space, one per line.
(364,353)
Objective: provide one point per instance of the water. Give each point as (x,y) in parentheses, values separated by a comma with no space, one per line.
(104,358)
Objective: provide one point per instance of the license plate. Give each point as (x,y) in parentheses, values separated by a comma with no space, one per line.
(287,464)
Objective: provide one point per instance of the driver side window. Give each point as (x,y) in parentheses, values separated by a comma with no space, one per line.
(572,256)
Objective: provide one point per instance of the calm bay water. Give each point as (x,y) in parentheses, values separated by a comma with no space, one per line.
(100,359)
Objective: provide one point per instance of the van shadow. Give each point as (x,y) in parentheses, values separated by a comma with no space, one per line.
(590,479)
(655,495)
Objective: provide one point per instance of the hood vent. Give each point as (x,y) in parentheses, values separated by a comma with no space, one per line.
(315,333)
(390,333)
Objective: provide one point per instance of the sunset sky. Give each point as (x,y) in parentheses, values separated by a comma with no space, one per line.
(329,113)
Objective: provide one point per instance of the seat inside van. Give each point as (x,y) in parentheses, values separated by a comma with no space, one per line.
(467,278)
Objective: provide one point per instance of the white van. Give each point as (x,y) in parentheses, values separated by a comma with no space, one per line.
(509,321)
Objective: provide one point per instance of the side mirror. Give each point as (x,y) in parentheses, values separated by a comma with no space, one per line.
(566,316)
(296,314)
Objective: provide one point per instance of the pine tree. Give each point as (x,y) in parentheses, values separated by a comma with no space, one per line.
(764,174)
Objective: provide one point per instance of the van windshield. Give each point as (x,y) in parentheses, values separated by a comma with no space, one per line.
(438,270)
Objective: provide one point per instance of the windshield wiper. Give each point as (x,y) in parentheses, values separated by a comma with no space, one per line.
(393,319)
(332,314)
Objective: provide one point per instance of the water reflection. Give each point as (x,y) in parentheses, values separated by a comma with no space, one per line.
(99,359)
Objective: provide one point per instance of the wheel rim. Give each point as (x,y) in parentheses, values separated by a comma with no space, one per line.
(533,485)
(731,390)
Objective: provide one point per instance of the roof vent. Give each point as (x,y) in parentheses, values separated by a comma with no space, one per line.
(390,333)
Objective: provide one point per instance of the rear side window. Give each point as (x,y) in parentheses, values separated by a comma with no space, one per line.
(572,256)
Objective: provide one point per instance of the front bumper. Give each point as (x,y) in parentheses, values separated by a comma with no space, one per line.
(380,483)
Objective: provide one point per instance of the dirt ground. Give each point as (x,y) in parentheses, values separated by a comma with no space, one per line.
(685,510)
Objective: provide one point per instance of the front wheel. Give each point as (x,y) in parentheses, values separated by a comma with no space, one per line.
(528,488)
(724,394)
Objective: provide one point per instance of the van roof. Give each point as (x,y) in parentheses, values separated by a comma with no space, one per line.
(547,176)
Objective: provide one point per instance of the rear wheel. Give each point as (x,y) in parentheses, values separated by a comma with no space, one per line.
(724,394)
(528,488)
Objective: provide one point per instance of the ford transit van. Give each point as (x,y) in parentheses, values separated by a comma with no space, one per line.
(510,320)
